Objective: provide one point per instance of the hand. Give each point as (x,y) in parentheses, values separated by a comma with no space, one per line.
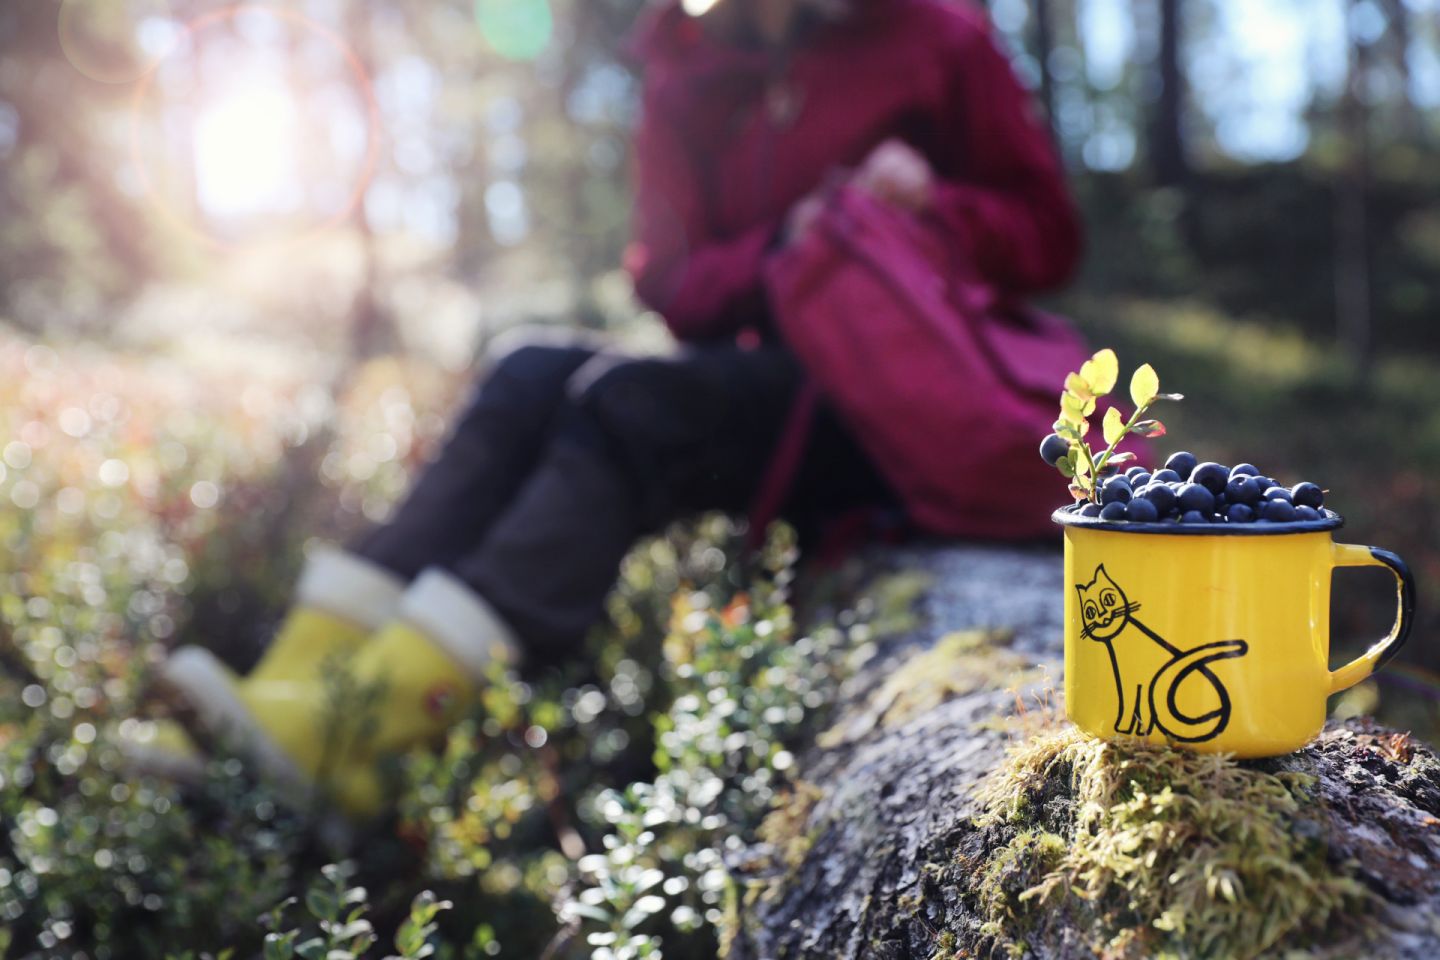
(897,173)
(802,216)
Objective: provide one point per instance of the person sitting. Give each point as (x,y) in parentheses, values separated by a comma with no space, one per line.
(508,543)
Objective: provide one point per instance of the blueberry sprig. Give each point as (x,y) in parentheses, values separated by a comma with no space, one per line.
(1067,450)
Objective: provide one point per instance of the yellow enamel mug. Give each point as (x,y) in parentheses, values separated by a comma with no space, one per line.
(1210,637)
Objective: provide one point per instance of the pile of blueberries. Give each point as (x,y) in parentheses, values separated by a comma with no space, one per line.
(1187,491)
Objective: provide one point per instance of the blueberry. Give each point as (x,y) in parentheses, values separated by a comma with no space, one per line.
(1242,489)
(1280,511)
(1244,470)
(1306,513)
(1090,510)
(1279,493)
(1265,482)
(1193,516)
(1160,495)
(1307,494)
(1194,497)
(1165,476)
(1182,463)
(1113,511)
(1116,490)
(1239,513)
(1139,480)
(1211,476)
(1141,511)
(1053,447)
(1130,473)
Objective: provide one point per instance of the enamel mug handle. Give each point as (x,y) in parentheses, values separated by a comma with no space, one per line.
(1353,555)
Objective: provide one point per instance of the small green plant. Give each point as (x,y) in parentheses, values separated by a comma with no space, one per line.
(344,933)
(1067,449)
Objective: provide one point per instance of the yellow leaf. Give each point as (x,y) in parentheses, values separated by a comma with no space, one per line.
(1144,386)
(1101,371)
(1114,425)
(1079,386)
(1074,409)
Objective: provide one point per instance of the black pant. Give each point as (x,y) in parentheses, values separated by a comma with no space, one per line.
(567,455)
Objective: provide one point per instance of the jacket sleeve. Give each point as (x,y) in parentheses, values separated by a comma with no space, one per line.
(1005,196)
(702,284)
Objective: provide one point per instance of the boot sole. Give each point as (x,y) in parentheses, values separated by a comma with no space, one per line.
(206,685)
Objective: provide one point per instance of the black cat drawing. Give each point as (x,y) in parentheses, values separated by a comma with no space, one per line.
(1150,672)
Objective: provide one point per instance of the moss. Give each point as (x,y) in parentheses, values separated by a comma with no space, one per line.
(1166,853)
(894,597)
(784,827)
(958,664)
(946,946)
(1015,869)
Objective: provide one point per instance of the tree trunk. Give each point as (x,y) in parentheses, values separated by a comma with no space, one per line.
(1044,44)
(1168,162)
(1352,255)
(372,329)
(879,853)
(1397,36)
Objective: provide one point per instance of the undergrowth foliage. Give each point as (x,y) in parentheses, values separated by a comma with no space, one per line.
(583,810)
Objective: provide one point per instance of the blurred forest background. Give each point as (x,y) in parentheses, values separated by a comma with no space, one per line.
(249,255)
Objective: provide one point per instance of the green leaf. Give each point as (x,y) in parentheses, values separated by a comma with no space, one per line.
(1067,430)
(280,946)
(1144,386)
(1149,428)
(322,904)
(1101,371)
(1114,425)
(1066,468)
(1118,458)
(312,949)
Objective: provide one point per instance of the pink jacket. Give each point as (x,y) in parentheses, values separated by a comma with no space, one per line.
(730,138)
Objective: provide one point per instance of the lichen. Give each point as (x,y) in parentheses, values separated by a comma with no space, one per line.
(958,664)
(1156,852)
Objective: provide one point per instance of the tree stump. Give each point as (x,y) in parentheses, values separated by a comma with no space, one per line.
(922,826)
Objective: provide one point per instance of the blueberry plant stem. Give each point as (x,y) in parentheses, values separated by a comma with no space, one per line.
(1097,465)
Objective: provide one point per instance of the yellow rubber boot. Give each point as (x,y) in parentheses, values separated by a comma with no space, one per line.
(403,686)
(340,599)
(427,664)
(159,748)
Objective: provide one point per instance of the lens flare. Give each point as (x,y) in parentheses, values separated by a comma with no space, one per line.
(252,143)
(116,42)
(515,29)
(244,148)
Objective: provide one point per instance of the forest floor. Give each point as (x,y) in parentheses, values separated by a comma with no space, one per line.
(150,501)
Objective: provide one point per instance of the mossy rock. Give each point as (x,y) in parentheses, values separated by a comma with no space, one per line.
(951,812)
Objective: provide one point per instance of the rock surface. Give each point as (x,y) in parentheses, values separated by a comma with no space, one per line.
(889,857)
